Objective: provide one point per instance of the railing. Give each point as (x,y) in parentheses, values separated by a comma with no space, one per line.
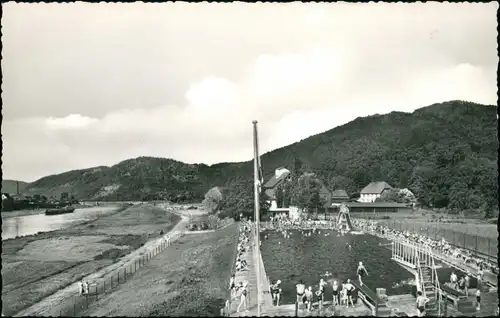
(411,253)
(481,246)
(435,281)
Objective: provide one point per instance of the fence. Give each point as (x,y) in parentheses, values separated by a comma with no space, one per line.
(78,303)
(481,246)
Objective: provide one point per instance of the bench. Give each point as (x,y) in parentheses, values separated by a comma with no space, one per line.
(452,294)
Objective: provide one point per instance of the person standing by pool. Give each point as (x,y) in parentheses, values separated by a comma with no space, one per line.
(300,291)
(349,289)
(478,300)
(309,297)
(276,291)
(361,272)
(467,284)
(336,293)
(453,280)
(80,288)
(421,301)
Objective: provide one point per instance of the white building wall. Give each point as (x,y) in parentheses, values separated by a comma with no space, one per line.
(369,197)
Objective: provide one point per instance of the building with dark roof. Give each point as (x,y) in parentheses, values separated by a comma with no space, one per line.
(339,196)
(374,190)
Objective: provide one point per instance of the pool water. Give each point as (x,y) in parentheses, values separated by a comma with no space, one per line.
(310,257)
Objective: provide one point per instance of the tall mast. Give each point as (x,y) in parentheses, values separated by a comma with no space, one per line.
(257,212)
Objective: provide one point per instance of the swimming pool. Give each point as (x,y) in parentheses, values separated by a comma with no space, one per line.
(310,257)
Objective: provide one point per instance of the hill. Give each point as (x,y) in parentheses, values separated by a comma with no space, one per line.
(10,186)
(445,153)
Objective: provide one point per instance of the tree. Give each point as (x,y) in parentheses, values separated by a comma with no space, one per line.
(239,200)
(305,192)
(64,196)
(213,200)
(398,196)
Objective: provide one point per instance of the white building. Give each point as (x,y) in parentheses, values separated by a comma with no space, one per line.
(374,190)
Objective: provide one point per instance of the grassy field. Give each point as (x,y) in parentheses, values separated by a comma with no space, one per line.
(34,267)
(188,279)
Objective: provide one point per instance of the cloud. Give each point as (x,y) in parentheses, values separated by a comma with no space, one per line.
(94,97)
(73,121)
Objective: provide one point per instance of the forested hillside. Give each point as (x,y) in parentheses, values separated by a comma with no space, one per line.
(445,153)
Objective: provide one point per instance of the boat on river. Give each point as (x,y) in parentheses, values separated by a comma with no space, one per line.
(56,211)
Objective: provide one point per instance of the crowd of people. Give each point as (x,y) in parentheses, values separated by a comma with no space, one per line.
(441,246)
(240,290)
(342,293)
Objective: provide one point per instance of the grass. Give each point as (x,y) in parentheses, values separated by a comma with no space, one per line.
(36,266)
(188,279)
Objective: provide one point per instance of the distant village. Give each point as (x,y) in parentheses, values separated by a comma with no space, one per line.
(17,201)
(368,201)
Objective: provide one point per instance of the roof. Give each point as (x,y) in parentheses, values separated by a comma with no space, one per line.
(375,187)
(376,205)
(340,194)
(273,182)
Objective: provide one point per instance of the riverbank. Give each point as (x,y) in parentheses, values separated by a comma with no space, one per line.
(17,213)
(190,278)
(35,267)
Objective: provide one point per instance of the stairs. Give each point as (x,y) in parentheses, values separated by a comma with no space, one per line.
(431,309)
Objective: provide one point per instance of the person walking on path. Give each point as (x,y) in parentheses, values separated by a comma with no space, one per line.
(232,286)
(86,288)
(243,297)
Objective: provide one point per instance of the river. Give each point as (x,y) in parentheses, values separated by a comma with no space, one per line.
(31,224)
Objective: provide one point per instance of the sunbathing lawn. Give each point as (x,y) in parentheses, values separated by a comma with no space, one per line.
(188,279)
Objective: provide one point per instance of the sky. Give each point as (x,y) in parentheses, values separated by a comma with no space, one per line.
(88,85)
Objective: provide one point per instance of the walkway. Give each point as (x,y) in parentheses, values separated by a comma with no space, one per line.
(250,275)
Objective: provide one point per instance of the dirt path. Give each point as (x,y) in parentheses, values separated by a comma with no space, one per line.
(60,300)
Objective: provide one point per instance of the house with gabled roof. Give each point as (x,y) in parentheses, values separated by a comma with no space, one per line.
(280,174)
(373,190)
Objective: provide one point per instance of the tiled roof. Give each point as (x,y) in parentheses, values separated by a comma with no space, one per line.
(273,182)
(375,187)
(340,194)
